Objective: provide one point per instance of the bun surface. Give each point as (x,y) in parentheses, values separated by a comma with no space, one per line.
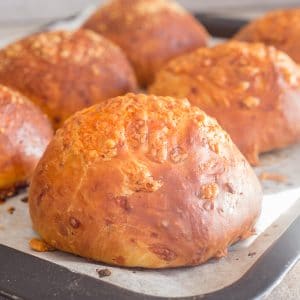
(24,134)
(150,32)
(251,89)
(143,181)
(280,29)
(63,72)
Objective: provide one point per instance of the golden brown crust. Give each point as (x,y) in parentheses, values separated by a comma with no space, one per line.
(280,29)
(251,89)
(24,134)
(150,32)
(63,72)
(143,181)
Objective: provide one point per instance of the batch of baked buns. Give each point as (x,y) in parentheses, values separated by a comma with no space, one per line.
(149,164)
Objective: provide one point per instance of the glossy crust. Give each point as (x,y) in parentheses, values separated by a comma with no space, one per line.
(251,89)
(63,72)
(280,29)
(144,181)
(150,32)
(24,134)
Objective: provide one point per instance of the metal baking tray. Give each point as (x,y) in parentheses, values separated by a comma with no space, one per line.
(251,269)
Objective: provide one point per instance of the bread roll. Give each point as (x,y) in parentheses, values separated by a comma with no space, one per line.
(277,28)
(144,181)
(24,134)
(150,32)
(63,72)
(251,89)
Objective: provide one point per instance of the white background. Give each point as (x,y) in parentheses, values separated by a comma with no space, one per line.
(29,10)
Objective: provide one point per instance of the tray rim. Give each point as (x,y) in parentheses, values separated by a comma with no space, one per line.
(23,276)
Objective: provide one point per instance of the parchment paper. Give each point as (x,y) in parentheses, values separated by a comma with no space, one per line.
(280,207)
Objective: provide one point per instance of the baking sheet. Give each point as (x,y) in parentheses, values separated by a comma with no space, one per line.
(281,206)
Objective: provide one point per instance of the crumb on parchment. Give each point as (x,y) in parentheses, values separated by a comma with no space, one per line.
(251,254)
(24,199)
(11,210)
(40,246)
(103,272)
(272,176)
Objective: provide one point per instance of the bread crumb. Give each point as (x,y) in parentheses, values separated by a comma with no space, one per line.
(11,210)
(24,199)
(40,246)
(103,272)
(272,176)
(251,254)
(10,193)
